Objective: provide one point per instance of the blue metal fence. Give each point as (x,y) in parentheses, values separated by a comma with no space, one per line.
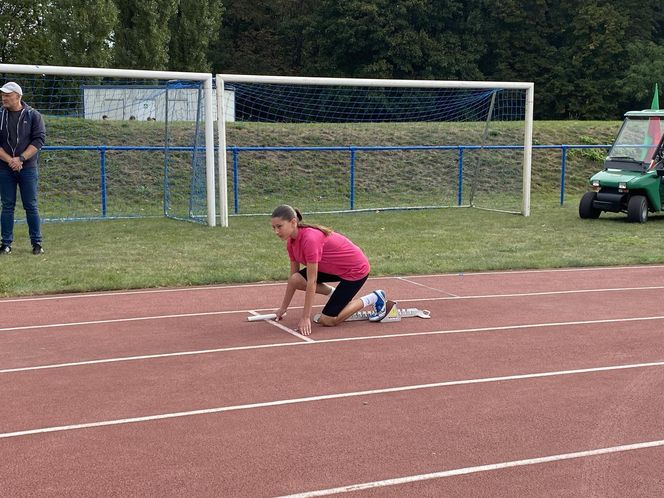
(235,152)
(103,149)
(563,162)
(352,150)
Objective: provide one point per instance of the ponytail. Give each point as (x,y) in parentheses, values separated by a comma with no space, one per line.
(286,212)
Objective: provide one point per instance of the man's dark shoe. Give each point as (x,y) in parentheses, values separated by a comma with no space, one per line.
(5,249)
(37,249)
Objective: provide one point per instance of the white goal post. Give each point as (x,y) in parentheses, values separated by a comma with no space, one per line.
(226,81)
(205,78)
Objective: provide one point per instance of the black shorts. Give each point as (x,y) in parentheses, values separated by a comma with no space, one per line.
(342,295)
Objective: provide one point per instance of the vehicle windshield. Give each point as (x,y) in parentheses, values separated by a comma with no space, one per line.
(637,139)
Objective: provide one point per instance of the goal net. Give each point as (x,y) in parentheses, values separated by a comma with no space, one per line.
(122,143)
(325,144)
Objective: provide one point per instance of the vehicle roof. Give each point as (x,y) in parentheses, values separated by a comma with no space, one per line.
(647,113)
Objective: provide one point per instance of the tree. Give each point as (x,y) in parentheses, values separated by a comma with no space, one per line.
(23,37)
(575,52)
(387,39)
(596,58)
(193,27)
(80,32)
(250,41)
(142,36)
(646,67)
(523,40)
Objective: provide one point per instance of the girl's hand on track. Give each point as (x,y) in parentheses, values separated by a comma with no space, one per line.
(304,327)
(280,314)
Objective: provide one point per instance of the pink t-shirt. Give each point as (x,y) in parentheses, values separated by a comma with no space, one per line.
(335,254)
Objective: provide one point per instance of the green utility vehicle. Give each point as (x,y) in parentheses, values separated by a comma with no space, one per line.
(631,181)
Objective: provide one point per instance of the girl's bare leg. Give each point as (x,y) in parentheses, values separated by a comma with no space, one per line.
(299,283)
(353,307)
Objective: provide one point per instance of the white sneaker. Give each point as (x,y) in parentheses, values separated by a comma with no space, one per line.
(380,308)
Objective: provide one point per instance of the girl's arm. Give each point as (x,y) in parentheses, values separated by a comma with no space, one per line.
(290,291)
(305,322)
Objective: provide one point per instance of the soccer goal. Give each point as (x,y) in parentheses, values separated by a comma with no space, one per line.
(341,144)
(123,143)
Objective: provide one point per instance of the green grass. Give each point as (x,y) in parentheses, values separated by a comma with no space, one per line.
(124,254)
(157,252)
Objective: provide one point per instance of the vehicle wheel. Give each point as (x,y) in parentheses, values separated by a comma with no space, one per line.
(586,209)
(637,209)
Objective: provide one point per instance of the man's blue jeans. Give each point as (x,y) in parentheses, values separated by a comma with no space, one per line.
(26,180)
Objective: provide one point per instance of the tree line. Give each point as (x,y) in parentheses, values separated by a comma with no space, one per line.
(589,59)
(132,34)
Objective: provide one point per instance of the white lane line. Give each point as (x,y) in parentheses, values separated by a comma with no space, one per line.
(272,284)
(502,328)
(414,300)
(545,270)
(479,468)
(85,295)
(324,397)
(403,279)
(119,320)
(535,294)
(285,329)
(150,357)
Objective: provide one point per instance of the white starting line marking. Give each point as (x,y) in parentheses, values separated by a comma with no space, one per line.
(479,468)
(324,397)
(282,327)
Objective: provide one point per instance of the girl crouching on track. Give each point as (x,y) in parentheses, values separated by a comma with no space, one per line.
(327,256)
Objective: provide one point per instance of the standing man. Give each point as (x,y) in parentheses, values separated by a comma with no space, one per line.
(22,134)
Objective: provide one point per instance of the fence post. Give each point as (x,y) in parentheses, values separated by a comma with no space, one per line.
(460,180)
(102,174)
(352,178)
(563,167)
(236,193)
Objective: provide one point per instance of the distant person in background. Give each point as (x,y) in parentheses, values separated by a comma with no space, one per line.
(22,135)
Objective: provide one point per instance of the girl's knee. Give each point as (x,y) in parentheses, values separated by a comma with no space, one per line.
(297,280)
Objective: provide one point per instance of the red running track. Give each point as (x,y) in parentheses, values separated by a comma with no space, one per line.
(534,383)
